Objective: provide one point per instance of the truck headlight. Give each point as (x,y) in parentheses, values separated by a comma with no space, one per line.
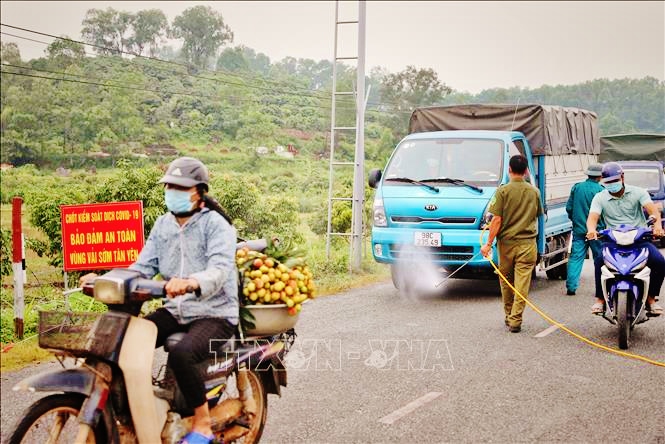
(379,214)
(486,220)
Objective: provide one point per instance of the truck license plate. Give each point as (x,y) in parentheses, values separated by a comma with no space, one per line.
(427,239)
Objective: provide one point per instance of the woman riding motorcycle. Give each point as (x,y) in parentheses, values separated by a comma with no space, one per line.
(193,248)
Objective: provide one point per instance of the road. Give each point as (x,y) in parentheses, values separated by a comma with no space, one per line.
(370,365)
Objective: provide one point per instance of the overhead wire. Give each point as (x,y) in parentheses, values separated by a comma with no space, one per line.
(182,65)
(114,85)
(313,93)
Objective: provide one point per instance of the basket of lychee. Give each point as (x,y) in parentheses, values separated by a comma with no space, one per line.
(274,285)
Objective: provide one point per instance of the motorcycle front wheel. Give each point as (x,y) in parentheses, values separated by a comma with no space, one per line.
(622,319)
(53,419)
(256,426)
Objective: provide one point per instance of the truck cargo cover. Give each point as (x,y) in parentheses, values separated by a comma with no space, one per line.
(632,147)
(550,130)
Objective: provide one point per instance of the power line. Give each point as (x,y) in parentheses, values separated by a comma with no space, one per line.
(113,85)
(313,93)
(182,65)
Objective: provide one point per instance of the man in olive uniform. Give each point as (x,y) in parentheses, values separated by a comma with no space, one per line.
(516,207)
(577,208)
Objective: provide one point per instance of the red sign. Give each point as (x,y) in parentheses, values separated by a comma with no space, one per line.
(101,236)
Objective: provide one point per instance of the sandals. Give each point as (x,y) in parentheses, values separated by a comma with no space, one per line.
(654,309)
(598,308)
(196,438)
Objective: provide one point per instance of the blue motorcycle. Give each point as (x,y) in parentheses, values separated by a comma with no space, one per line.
(625,277)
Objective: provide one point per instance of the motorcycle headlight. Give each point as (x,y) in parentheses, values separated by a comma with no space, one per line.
(640,265)
(627,238)
(379,214)
(109,290)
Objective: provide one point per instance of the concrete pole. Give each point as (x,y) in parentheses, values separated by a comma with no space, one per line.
(18,266)
(359,167)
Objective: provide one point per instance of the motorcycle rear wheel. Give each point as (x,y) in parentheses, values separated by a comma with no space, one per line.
(623,321)
(57,415)
(261,399)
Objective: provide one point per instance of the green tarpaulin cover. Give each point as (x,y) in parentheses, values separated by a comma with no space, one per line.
(550,130)
(632,147)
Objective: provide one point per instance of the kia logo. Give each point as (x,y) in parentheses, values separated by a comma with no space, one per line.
(431,207)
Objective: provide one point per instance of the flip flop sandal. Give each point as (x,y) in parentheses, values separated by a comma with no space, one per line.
(597,308)
(196,438)
(655,310)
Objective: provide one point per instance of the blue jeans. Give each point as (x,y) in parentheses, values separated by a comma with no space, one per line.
(656,263)
(576,259)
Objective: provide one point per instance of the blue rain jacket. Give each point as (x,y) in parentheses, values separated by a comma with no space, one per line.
(204,249)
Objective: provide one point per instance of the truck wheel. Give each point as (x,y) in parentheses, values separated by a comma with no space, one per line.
(558,273)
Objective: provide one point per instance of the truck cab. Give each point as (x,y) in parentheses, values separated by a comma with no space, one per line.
(433,196)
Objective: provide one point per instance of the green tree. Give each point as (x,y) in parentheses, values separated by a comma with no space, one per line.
(150,28)
(232,59)
(64,52)
(413,87)
(203,32)
(9,53)
(108,29)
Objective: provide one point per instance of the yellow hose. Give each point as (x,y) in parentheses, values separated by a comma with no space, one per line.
(566,329)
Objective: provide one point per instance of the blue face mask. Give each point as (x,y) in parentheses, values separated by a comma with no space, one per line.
(178,201)
(613,187)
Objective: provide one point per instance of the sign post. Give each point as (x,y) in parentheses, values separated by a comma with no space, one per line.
(18,266)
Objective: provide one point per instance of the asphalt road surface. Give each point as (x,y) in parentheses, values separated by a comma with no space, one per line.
(371,365)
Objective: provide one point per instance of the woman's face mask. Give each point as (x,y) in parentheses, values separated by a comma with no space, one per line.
(613,187)
(178,201)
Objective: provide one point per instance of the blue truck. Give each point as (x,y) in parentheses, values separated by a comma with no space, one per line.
(431,200)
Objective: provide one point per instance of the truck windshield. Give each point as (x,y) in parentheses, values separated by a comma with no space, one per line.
(477,161)
(647,178)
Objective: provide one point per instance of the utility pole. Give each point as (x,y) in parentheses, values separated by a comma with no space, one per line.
(359,167)
(358,198)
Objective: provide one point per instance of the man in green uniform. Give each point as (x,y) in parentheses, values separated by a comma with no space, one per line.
(577,208)
(516,207)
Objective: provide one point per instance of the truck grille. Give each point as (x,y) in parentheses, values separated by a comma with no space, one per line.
(445,252)
(441,220)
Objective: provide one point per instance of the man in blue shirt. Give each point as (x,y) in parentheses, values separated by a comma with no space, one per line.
(577,208)
(622,204)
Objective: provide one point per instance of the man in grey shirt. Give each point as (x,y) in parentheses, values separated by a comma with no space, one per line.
(623,204)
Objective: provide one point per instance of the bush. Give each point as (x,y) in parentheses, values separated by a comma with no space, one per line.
(5,252)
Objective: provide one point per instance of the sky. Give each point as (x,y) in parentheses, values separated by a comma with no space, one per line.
(472,45)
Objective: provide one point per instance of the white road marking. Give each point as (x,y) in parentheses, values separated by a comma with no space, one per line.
(410,407)
(547,331)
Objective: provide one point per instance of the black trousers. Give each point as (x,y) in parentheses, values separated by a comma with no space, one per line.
(193,349)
